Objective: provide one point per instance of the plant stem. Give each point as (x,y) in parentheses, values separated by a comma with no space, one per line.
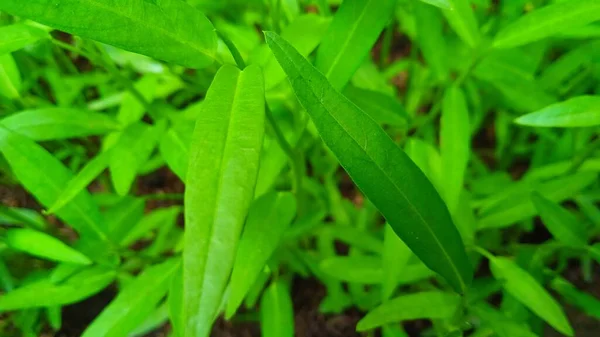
(295,165)
(239,60)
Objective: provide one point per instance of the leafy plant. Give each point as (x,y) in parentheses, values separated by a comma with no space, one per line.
(196,161)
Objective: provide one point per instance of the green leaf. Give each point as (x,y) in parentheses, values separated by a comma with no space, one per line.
(45,293)
(44,246)
(10,78)
(382,171)
(159,218)
(394,260)
(175,147)
(131,109)
(384,109)
(130,153)
(446,4)
(354,30)
(362,269)
(224,158)
(59,123)
(169,30)
(123,215)
(524,288)
(502,325)
(424,305)
(304,33)
(588,303)
(429,26)
(462,20)
(17,36)
(46,177)
(517,206)
(548,21)
(135,302)
(88,173)
(268,218)
(579,111)
(175,302)
(455,144)
(563,225)
(277,311)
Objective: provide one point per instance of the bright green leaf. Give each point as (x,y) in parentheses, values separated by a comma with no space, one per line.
(548,21)
(455,144)
(134,302)
(44,293)
(380,169)
(277,311)
(10,78)
(524,288)
(462,20)
(563,225)
(175,146)
(268,218)
(579,111)
(432,305)
(224,158)
(59,123)
(156,219)
(351,35)
(44,246)
(394,261)
(588,303)
(17,36)
(384,109)
(169,30)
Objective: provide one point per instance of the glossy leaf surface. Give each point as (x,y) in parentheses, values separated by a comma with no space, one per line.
(224,158)
(380,169)
(169,30)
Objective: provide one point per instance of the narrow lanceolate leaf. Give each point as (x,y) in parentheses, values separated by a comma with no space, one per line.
(169,30)
(59,123)
(354,30)
(88,173)
(424,305)
(224,158)
(455,144)
(523,287)
(175,303)
(10,78)
(579,111)
(384,109)
(588,303)
(130,153)
(395,258)
(159,218)
(445,4)
(44,246)
(563,225)
(548,21)
(268,218)
(277,311)
(429,26)
(17,36)
(380,169)
(135,302)
(45,293)
(175,147)
(462,20)
(45,177)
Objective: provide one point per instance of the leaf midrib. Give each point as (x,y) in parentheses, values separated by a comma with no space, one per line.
(157,28)
(412,206)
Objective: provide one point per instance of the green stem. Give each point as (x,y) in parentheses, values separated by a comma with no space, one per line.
(386,47)
(588,152)
(239,60)
(295,165)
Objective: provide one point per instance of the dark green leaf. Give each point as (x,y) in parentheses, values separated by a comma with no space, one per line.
(588,303)
(380,169)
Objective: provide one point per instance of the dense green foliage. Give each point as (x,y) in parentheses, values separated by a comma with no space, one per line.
(432,160)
